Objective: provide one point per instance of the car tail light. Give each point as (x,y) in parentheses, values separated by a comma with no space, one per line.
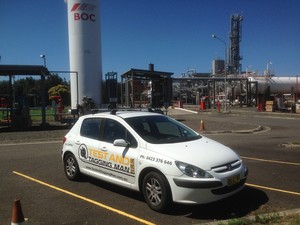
(64,140)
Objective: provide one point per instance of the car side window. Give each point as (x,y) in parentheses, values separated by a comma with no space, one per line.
(114,130)
(90,128)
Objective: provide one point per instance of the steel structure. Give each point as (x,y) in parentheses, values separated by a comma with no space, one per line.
(111,82)
(23,70)
(146,87)
(235,36)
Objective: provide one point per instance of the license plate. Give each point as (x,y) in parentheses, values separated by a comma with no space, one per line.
(233,180)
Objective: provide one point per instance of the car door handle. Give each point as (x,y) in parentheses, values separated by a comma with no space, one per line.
(77,143)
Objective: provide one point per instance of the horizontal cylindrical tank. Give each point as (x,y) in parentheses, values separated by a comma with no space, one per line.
(276,85)
(84,50)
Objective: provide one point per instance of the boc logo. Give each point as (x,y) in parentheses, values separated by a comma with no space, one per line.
(84,11)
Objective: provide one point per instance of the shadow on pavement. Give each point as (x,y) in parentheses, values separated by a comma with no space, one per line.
(239,205)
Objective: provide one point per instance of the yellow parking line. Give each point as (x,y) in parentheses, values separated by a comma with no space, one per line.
(271,161)
(85,199)
(273,189)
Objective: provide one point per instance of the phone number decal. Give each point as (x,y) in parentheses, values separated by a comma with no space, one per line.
(156,160)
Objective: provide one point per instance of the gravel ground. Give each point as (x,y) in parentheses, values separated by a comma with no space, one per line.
(35,133)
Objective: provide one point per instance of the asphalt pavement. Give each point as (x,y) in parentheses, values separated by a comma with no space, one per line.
(235,120)
(211,121)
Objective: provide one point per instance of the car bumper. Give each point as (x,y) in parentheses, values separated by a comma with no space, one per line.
(201,191)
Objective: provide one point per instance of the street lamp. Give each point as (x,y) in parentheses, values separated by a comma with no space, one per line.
(44,58)
(268,68)
(225,69)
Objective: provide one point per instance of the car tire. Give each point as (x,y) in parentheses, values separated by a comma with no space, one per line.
(156,191)
(71,167)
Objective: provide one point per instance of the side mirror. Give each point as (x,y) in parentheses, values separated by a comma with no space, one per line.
(121,143)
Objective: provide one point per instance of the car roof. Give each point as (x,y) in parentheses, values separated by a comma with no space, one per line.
(128,114)
(123,114)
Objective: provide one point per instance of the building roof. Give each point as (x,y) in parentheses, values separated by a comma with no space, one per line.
(23,70)
(147,74)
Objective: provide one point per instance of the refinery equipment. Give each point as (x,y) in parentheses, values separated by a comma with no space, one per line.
(111,83)
(277,92)
(146,88)
(217,67)
(235,35)
(276,85)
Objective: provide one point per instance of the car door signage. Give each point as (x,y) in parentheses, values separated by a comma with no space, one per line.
(107,160)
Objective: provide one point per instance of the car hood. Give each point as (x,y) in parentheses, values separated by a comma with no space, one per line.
(204,153)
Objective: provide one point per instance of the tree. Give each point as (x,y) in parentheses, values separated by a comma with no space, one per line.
(4,88)
(54,80)
(28,90)
(61,90)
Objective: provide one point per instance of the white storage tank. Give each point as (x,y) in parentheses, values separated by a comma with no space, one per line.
(84,50)
(278,85)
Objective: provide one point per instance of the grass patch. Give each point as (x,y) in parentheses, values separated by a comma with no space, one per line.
(268,219)
(235,222)
(36,114)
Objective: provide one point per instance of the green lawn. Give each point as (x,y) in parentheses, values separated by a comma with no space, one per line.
(36,114)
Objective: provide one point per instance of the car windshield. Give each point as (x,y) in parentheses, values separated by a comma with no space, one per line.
(159,129)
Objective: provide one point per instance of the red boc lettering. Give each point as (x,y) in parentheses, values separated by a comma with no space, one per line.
(76,16)
(84,16)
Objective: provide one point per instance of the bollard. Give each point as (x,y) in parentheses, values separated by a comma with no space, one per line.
(219,106)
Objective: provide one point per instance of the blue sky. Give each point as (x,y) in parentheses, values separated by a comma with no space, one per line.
(175,35)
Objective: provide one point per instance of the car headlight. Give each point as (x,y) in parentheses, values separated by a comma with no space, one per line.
(192,171)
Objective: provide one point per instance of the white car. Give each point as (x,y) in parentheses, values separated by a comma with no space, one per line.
(155,154)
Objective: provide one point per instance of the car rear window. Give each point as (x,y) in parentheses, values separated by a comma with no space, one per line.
(90,128)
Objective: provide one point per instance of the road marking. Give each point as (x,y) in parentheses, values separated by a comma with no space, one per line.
(273,189)
(187,110)
(271,161)
(85,199)
(269,188)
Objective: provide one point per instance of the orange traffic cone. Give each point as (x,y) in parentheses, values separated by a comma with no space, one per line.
(202,125)
(17,213)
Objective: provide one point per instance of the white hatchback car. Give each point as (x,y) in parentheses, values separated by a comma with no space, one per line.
(155,154)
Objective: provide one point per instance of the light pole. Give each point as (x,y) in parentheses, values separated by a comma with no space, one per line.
(268,69)
(44,58)
(225,69)
(247,70)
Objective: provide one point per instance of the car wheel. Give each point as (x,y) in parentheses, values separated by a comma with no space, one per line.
(71,167)
(156,191)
